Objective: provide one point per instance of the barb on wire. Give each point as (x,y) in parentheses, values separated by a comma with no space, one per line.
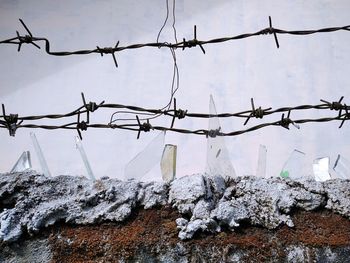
(335,105)
(10,121)
(270,30)
(346,116)
(285,122)
(146,126)
(90,107)
(213,133)
(109,50)
(257,113)
(81,125)
(180,114)
(194,42)
(27,39)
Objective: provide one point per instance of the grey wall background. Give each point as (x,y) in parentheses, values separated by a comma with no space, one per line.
(302,71)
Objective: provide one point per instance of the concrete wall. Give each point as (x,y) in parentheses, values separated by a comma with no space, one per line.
(303,70)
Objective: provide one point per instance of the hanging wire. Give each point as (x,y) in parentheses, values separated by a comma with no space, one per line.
(175,79)
(165,21)
(174,20)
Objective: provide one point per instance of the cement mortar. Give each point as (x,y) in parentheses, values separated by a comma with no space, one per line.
(30,202)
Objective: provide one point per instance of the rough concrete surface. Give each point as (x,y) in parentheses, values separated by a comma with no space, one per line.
(30,203)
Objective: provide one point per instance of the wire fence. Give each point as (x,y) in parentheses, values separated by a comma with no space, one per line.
(184,44)
(12,122)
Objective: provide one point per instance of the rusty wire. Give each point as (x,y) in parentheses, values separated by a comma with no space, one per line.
(12,122)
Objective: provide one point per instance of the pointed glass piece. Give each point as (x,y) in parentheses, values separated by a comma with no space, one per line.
(23,163)
(293,167)
(342,167)
(320,168)
(261,168)
(168,163)
(218,160)
(40,155)
(144,161)
(80,147)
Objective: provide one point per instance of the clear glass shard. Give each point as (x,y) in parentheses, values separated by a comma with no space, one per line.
(23,163)
(144,161)
(218,160)
(261,168)
(293,167)
(342,167)
(83,155)
(320,168)
(40,155)
(168,163)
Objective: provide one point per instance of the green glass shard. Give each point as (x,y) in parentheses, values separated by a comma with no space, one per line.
(293,167)
(284,174)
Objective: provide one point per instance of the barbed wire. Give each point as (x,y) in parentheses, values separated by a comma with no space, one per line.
(12,122)
(270,30)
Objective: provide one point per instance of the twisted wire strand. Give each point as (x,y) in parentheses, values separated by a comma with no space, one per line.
(12,122)
(205,132)
(29,39)
(140,110)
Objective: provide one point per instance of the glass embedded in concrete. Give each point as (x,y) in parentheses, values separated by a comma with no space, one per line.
(294,166)
(320,168)
(23,163)
(144,161)
(83,155)
(342,167)
(40,155)
(218,160)
(261,166)
(168,163)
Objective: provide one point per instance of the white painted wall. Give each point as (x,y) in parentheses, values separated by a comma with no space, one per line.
(302,71)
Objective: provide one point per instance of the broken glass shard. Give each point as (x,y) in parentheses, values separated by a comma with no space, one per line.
(168,163)
(293,167)
(23,163)
(40,155)
(261,168)
(83,155)
(320,168)
(218,160)
(342,167)
(144,161)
